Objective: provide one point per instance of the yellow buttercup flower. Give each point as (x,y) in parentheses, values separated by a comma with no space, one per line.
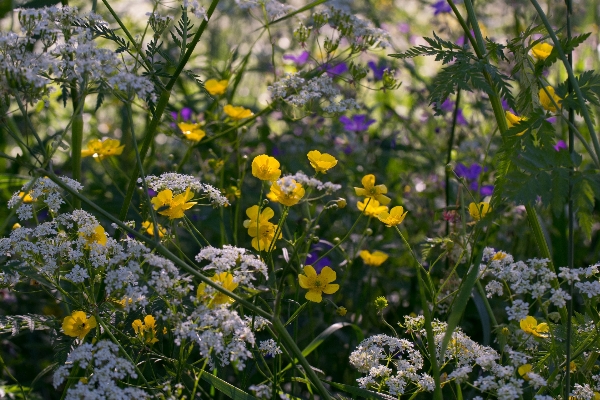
(191,131)
(321,162)
(225,279)
(26,197)
(480,210)
(371,207)
(512,120)
(266,168)
(541,51)
(260,229)
(530,325)
(102,149)
(499,256)
(317,284)
(16,226)
(237,113)
(148,227)
(176,205)
(98,236)
(147,330)
(78,324)
(215,87)
(545,99)
(374,259)
(286,191)
(524,371)
(373,191)
(394,217)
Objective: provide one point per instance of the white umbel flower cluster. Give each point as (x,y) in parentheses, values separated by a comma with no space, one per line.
(179,183)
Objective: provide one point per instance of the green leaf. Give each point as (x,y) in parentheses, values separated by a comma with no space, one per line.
(355,391)
(227,389)
(327,332)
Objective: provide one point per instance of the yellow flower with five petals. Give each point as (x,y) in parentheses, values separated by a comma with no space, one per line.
(266,168)
(78,324)
(191,131)
(237,113)
(371,190)
(215,87)
(286,191)
(225,279)
(530,325)
(394,217)
(260,229)
(176,205)
(541,51)
(371,207)
(321,162)
(102,149)
(317,284)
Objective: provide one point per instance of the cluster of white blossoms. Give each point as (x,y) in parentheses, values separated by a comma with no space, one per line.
(179,183)
(392,362)
(297,91)
(358,32)
(195,7)
(273,8)
(243,265)
(269,347)
(40,190)
(314,183)
(68,53)
(108,368)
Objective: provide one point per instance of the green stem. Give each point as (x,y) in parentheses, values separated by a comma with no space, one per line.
(161,105)
(572,79)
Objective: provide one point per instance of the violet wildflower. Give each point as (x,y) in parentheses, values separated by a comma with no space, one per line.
(335,70)
(460,118)
(447,105)
(358,123)
(469,173)
(486,190)
(560,145)
(441,7)
(404,27)
(298,60)
(377,70)
(315,253)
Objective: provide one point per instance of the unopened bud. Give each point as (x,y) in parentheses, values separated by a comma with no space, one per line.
(341,311)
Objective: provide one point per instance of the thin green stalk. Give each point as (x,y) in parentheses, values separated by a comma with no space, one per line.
(161,105)
(449,153)
(572,79)
(76,136)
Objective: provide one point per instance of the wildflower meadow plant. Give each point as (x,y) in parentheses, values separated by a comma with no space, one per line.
(265,199)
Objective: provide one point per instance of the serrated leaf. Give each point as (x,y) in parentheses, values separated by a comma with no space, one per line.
(227,389)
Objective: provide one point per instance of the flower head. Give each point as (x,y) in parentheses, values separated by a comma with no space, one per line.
(260,229)
(237,113)
(560,145)
(286,191)
(102,149)
(530,325)
(512,120)
(321,162)
(266,168)
(373,191)
(26,197)
(371,207)
(524,371)
(541,51)
(148,227)
(480,210)
(317,284)
(441,7)
(545,100)
(78,324)
(215,87)
(298,60)
(147,330)
(374,259)
(358,123)
(394,217)
(225,279)
(175,206)
(97,236)
(191,131)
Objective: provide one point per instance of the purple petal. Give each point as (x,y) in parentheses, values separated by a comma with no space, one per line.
(336,69)
(441,7)
(460,118)
(377,71)
(298,60)
(486,190)
(447,105)
(186,113)
(560,145)
(461,170)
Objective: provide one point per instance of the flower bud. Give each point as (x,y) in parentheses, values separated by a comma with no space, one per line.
(341,311)
(381,303)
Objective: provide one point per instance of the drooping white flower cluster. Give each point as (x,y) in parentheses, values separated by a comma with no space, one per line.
(179,183)
(67,53)
(107,370)
(297,91)
(198,10)
(244,266)
(358,32)
(314,183)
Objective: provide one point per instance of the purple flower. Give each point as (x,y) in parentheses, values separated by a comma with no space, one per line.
(358,123)
(551,120)
(335,70)
(185,113)
(469,173)
(404,27)
(152,193)
(460,118)
(314,255)
(298,60)
(505,105)
(441,7)
(447,105)
(486,190)
(377,70)
(560,145)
